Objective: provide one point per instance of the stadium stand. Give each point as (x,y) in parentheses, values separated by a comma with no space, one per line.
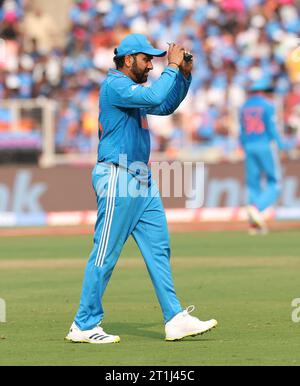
(65,57)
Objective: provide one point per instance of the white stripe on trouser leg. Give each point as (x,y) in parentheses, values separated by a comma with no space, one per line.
(110,204)
(111,217)
(107,212)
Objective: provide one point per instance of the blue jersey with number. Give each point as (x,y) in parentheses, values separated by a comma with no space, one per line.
(258,122)
(124,105)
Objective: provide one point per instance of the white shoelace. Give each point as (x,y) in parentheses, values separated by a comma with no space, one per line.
(189,310)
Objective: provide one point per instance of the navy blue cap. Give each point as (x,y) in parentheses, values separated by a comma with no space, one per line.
(137,43)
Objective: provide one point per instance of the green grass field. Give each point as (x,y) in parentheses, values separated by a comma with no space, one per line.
(246,283)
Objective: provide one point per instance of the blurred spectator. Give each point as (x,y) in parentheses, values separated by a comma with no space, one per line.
(39,26)
(293,64)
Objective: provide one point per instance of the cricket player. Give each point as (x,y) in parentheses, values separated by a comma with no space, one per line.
(121,172)
(258,135)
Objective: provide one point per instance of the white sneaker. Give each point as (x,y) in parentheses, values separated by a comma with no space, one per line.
(183,324)
(96,335)
(256,219)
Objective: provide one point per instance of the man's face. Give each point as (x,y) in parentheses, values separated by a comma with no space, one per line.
(141,66)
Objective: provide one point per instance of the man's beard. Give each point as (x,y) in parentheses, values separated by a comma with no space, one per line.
(141,76)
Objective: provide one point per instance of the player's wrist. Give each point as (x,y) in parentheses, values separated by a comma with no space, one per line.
(173,65)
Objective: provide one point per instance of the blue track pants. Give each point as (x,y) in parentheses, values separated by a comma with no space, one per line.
(126,207)
(262,175)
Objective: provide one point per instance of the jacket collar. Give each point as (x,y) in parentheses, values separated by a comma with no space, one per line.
(114,72)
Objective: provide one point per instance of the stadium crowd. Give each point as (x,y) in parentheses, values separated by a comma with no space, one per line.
(233,42)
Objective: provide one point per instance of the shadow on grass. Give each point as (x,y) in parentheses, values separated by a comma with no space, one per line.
(145,330)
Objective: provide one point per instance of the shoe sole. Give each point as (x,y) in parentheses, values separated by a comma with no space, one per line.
(117,340)
(192,335)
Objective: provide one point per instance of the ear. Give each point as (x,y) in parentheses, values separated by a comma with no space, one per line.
(128,61)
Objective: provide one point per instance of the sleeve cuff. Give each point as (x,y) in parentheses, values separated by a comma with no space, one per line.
(171,69)
(186,80)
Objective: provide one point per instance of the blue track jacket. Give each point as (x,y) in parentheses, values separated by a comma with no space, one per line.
(258,123)
(124,106)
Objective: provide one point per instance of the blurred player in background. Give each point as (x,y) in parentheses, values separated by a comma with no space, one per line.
(124,105)
(259,136)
